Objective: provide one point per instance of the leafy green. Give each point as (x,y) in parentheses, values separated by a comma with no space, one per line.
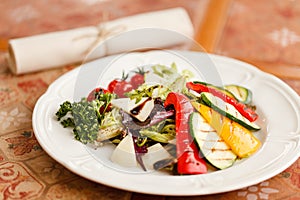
(111,125)
(171,73)
(168,73)
(160,82)
(69,122)
(87,118)
(145,90)
(178,85)
(64,109)
(104,99)
(158,91)
(164,71)
(112,118)
(163,131)
(187,73)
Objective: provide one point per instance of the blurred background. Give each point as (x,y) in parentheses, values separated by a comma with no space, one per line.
(265,33)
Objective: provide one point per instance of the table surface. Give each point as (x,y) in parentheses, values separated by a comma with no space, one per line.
(265,33)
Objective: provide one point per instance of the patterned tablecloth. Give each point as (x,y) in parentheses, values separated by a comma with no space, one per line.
(266,33)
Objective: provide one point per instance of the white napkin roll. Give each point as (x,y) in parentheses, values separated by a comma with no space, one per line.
(157,29)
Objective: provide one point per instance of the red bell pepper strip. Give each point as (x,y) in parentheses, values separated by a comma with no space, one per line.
(188,160)
(242,108)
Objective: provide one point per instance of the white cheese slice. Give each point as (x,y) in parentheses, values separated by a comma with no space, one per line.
(155,153)
(140,110)
(124,153)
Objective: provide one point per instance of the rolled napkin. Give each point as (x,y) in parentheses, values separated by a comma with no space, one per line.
(158,29)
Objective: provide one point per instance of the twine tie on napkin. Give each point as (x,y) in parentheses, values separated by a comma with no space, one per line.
(103,34)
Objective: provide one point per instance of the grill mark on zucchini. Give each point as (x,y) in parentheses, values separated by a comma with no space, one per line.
(212,146)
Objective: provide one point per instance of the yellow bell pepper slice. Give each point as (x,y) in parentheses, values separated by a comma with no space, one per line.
(240,139)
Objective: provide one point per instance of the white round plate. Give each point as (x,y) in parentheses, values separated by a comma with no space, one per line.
(277,104)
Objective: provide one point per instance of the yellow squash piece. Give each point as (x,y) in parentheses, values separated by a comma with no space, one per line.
(240,139)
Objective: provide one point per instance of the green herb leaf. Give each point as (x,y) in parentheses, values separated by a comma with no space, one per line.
(63,110)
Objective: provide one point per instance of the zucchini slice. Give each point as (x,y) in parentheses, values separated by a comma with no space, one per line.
(241,93)
(241,140)
(221,89)
(227,110)
(212,146)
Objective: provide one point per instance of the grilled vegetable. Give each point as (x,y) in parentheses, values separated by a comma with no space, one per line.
(241,140)
(227,110)
(241,93)
(189,161)
(247,112)
(223,90)
(212,146)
